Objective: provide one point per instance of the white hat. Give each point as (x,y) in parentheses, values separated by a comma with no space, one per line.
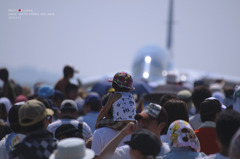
(72,148)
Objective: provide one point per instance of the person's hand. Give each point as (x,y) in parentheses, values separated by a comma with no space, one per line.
(130,128)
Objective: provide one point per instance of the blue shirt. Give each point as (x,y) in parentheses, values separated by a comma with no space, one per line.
(183,153)
(90,119)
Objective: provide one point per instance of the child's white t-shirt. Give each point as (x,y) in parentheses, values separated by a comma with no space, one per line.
(124,108)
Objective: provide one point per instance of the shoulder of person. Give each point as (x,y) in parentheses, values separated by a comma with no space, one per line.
(115,96)
(122,152)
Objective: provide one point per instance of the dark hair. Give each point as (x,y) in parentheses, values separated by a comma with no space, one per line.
(200,93)
(95,107)
(4,74)
(162,117)
(176,110)
(68,110)
(3,111)
(227,124)
(209,108)
(4,129)
(66,131)
(67,70)
(119,89)
(166,98)
(13,118)
(71,87)
(58,95)
(37,126)
(45,102)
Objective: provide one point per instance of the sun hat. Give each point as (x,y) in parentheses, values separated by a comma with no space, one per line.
(32,112)
(72,148)
(145,141)
(123,80)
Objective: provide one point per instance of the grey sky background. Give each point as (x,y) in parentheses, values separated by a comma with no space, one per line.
(99,37)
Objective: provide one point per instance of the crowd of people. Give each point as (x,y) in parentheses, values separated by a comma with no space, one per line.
(65,122)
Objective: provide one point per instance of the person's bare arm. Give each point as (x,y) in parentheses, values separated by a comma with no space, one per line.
(109,149)
(104,111)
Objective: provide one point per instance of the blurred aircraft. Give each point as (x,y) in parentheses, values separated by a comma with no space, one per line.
(153,63)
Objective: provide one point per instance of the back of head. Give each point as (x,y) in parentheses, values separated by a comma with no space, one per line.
(166,98)
(227,124)
(71,91)
(209,109)
(145,141)
(58,95)
(3,112)
(94,101)
(45,102)
(13,118)
(200,93)
(67,131)
(176,110)
(4,74)
(69,108)
(4,129)
(67,70)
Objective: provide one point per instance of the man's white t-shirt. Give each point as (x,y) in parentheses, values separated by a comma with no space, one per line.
(103,136)
(86,131)
(123,151)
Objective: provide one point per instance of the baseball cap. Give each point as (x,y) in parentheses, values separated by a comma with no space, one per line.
(69,104)
(32,112)
(45,91)
(145,141)
(123,80)
(151,109)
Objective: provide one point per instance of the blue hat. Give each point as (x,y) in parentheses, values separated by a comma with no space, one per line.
(45,91)
(93,99)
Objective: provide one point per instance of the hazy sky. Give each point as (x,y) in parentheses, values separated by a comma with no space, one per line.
(98,37)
